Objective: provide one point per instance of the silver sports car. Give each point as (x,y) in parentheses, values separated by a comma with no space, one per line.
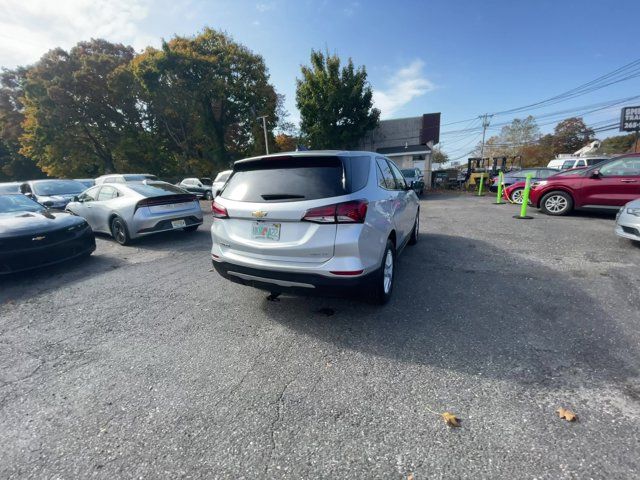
(132,210)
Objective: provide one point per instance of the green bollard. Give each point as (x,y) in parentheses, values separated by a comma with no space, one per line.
(499,195)
(525,200)
(480,194)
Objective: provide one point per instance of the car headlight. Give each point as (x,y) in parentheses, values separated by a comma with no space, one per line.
(634,211)
(539,183)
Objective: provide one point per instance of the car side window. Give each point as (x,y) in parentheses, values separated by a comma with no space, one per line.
(401,183)
(107,193)
(89,195)
(580,163)
(386,179)
(625,167)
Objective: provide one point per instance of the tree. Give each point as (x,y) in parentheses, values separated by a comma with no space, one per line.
(618,144)
(204,95)
(285,143)
(571,135)
(335,103)
(78,110)
(439,156)
(519,134)
(13,166)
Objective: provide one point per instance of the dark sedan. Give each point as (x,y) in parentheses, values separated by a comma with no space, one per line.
(515,176)
(52,193)
(32,236)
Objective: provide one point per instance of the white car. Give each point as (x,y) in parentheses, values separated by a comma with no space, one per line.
(219,182)
(314,222)
(575,162)
(125,178)
(628,221)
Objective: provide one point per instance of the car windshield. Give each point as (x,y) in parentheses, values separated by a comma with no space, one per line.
(9,188)
(409,172)
(574,172)
(155,189)
(47,188)
(18,203)
(222,177)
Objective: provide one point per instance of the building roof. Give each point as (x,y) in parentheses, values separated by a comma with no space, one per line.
(407,149)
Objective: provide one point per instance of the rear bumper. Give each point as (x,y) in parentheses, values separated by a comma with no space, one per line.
(296,283)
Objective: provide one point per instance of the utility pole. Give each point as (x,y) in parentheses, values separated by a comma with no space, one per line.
(264,127)
(485,123)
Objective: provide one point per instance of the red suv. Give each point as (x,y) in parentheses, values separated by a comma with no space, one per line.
(608,185)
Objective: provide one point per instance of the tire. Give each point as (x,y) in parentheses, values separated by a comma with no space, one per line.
(516,196)
(383,287)
(413,239)
(556,203)
(119,231)
(209,196)
(191,228)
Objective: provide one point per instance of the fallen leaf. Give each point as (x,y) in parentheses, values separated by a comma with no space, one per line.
(410,476)
(450,419)
(568,415)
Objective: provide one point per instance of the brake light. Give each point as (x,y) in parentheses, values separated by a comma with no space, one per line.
(347,212)
(218,210)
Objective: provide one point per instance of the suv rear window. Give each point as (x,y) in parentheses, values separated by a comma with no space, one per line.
(290,179)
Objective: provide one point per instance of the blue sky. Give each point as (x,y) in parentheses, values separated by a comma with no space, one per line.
(462,58)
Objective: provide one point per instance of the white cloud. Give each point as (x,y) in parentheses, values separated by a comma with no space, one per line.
(403,86)
(29,28)
(265,6)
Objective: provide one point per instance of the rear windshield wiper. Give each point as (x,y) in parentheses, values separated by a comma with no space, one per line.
(280,196)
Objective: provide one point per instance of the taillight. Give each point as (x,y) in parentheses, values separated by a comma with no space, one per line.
(347,212)
(218,210)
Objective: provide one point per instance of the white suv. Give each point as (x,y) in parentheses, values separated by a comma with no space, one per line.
(310,222)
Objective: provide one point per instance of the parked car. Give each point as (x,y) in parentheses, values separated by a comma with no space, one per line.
(9,187)
(125,178)
(608,185)
(515,176)
(314,222)
(573,162)
(200,187)
(220,181)
(514,192)
(415,179)
(33,236)
(87,182)
(52,193)
(133,210)
(628,221)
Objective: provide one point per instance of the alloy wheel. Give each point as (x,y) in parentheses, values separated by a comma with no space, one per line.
(516,196)
(556,204)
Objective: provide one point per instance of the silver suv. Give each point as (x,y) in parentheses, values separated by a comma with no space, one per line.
(323,222)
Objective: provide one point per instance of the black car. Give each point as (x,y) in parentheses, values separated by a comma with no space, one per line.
(33,236)
(201,187)
(516,176)
(52,193)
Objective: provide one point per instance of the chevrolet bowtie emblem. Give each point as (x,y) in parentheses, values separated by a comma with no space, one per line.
(259,214)
(37,239)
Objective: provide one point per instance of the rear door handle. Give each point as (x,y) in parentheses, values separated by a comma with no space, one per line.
(628,180)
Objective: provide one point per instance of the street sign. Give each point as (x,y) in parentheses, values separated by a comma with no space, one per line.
(630,119)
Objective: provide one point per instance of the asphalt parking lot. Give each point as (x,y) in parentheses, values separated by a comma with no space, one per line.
(140,362)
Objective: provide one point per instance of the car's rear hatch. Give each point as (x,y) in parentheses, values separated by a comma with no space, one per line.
(266,201)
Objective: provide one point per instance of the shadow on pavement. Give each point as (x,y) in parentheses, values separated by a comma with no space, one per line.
(465,305)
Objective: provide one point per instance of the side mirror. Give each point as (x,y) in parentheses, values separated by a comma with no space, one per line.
(48,204)
(595,173)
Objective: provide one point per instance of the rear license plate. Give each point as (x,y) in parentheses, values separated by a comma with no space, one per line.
(268,231)
(178,223)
